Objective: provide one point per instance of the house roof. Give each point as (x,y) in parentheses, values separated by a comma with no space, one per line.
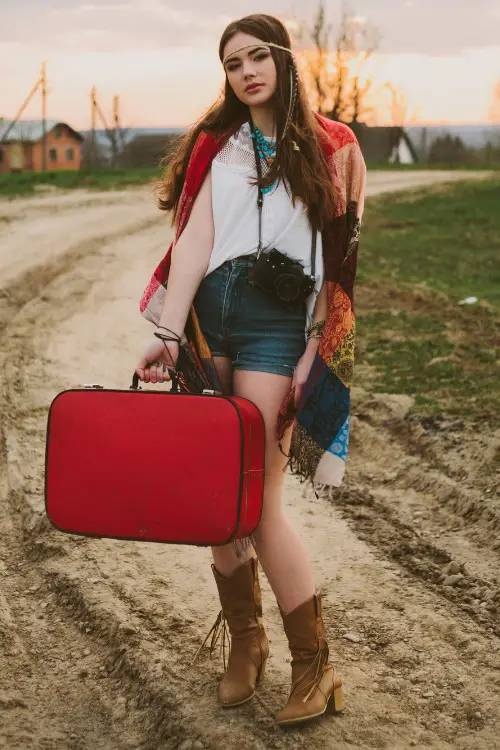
(30,130)
(377,143)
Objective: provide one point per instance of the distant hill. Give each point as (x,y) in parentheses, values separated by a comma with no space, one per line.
(421,136)
(129,134)
(132,132)
(473,136)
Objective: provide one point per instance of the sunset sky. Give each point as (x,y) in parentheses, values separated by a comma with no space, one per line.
(160,56)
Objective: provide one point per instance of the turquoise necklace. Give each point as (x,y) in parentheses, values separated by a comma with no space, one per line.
(266,150)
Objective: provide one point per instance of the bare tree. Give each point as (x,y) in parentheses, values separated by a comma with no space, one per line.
(360,40)
(397,107)
(336,72)
(319,67)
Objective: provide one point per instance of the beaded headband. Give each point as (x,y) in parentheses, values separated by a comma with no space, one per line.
(264,44)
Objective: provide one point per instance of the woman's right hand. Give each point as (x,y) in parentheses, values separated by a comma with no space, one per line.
(158,357)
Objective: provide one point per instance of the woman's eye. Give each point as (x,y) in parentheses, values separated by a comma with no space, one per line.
(262,56)
(232,67)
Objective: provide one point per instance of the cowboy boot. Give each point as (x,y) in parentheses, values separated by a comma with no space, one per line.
(241,602)
(315,688)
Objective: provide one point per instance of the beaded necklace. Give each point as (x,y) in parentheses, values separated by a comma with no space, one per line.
(266,151)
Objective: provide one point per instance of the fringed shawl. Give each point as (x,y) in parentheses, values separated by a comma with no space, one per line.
(320,434)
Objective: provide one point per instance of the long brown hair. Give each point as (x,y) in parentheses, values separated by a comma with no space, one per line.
(306,171)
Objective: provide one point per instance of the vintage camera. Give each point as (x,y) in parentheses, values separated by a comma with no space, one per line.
(282,277)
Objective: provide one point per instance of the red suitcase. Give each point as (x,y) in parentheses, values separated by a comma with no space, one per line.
(155,466)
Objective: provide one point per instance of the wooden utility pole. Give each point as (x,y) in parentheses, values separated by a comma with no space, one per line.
(116,128)
(116,112)
(43,84)
(24,105)
(93,120)
(113,133)
(119,136)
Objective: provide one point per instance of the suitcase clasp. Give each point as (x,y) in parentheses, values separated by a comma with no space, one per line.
(207,392)
(96,385)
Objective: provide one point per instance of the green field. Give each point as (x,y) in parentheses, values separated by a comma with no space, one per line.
(26,183)
(448,167)
(421,252)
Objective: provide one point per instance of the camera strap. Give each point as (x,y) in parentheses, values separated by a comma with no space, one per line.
(260,203)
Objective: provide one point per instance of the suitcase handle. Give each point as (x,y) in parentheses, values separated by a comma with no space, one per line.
(173,377)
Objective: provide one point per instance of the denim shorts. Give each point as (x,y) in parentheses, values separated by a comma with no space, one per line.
(250,327)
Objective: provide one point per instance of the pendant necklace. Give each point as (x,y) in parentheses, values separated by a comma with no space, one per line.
(266,151)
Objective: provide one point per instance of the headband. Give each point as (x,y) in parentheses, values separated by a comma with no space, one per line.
(264,44)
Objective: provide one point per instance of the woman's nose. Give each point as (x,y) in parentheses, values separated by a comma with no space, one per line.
(248,69)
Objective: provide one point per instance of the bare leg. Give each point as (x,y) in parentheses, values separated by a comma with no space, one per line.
(280,549)
(225,558)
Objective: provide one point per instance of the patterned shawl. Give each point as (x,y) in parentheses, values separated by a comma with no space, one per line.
(321,420)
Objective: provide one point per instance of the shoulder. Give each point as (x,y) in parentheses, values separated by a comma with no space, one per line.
(206,145)
(338,134)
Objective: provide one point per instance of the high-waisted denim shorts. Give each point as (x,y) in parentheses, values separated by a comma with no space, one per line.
(250,327)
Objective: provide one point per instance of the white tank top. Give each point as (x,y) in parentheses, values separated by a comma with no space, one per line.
(236,221)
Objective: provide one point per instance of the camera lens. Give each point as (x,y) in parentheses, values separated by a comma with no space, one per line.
(287,287)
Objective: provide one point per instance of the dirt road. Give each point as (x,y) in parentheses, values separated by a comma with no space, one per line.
(97,637)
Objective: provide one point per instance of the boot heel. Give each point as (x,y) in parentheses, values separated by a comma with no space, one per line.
(262,672)
(335,703)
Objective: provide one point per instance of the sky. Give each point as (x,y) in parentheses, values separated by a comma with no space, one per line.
(160,56)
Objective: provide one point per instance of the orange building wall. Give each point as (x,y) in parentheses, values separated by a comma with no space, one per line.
(13,157)
(27,157)
(5,160)
(60,144)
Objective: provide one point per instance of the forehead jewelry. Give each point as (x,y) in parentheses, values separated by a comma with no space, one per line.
(256,46)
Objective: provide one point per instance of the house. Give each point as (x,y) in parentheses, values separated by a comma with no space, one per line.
(21,146)
(385,144)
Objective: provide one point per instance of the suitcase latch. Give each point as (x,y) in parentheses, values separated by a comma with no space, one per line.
(208,392)
(96,385)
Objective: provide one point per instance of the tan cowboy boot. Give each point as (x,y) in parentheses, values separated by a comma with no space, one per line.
(315,688)
(241,601)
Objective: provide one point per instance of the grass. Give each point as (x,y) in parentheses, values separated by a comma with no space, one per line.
(453,166)
(26,183)
(421,253)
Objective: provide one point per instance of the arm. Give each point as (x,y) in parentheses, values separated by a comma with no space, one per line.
(320,313)
(305,362)
(190,259)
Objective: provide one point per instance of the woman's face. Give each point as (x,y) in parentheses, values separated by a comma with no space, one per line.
(251,72)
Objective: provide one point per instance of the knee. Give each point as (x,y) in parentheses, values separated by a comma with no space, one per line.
(270,523)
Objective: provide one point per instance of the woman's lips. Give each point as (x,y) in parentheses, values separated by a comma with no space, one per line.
(254,87)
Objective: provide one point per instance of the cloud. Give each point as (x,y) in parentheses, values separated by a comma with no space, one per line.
(437,27)
(107,26)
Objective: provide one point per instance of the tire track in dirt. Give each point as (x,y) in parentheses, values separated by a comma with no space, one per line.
(404,505)
(418,671)
(31,283)
(46,697)
(157,706)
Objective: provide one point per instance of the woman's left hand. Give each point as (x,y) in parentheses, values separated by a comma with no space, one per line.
(304,368)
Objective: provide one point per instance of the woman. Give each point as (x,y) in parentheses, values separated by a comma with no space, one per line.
(262,141)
